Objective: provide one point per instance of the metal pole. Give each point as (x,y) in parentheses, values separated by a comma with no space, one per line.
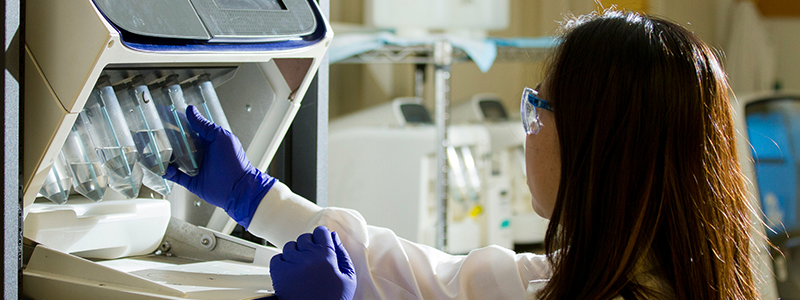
(12,197)
(443,58)
(323,84)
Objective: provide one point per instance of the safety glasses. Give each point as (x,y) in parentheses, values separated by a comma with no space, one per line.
(530,116)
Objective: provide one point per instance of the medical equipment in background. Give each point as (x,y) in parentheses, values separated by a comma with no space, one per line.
(416,18)
(382,163)
(507,180)
(773,130)
(104,110)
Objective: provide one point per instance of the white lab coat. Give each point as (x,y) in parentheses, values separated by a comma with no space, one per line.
(389,267)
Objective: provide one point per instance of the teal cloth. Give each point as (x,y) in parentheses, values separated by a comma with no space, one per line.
(526,42)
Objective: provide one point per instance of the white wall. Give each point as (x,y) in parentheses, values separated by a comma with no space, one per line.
(785,36)
(699,16)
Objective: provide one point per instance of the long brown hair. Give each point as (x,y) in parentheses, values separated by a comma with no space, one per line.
(650,174)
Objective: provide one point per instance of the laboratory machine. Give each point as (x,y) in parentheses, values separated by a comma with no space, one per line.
(106,87)
(382,163)
(507,177)
(772,123)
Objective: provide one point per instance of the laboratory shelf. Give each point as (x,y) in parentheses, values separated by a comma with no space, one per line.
(423,54)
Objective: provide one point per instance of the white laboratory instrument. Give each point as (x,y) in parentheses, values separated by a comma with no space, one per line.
(84,57)
(507,182)
(415,18)
(382,163)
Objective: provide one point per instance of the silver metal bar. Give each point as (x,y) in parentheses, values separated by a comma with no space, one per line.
(323,89)
(391,54)
(12,118)
(185,240)
(443,59)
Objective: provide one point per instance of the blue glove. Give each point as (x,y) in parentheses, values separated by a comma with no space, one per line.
(314,267)
(226,179)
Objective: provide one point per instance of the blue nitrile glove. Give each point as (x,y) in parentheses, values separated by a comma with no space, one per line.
(314,267)
(226,179)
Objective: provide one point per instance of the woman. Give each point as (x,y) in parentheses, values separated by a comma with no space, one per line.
(630,153)
(647,152)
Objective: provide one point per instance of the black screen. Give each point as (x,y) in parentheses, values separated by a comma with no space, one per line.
(415,113)
(493,111)
(250,4)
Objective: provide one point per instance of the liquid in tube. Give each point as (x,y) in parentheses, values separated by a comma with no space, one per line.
(155,149)
(89,179)
(57,184)
(124,174)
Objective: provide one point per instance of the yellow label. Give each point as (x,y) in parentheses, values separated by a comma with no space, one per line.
(476,211)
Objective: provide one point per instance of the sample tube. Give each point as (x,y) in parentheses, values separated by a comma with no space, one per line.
(88,177)
(113,140)
(474,182)
(201,94)
(187,150)
(58,181)
(145,125)
(457,172)
(458,185)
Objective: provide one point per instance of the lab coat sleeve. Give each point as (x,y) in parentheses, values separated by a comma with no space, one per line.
(389,267)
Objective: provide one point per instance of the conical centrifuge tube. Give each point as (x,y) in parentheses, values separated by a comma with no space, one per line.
(145,125)
(157,183)
(201,93)
(187,150)
(88,177)
(113,140)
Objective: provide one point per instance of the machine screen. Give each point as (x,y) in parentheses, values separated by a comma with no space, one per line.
(251,4)
(493,111)
(415,113)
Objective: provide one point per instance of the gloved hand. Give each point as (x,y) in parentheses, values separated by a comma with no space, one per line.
(226,179)
(314,267)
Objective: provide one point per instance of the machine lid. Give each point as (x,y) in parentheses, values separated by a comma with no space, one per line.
(155,18)
(213,20)
(258,20)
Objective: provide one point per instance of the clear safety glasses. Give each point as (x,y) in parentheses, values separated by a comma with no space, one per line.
(530,116)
